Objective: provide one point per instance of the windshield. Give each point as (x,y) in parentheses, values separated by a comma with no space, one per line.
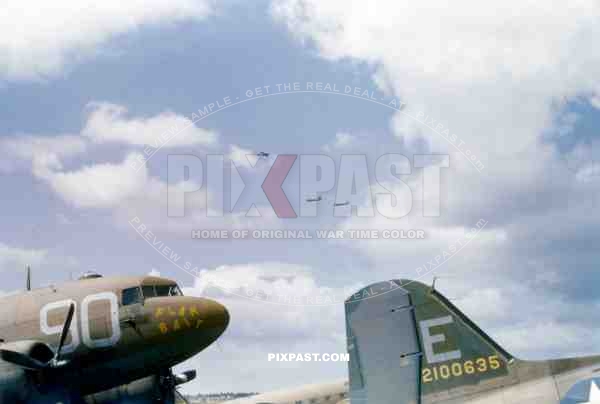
(161,290)
(131,296)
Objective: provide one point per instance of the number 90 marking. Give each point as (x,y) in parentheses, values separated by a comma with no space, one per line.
(115,332)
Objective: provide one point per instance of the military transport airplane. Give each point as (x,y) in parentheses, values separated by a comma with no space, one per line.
(102,340)
(409,344)
(318,198)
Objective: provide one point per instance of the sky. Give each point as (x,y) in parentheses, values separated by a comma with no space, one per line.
(502,100)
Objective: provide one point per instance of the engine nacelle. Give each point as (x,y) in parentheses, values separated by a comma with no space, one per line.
(149,390)
(19,385)
(15,383)
(34,349)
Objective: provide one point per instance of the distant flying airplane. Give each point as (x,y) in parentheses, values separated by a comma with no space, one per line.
(319,198)
(339,204)
(102,340)
(409,344)
(261,155)
(314,199)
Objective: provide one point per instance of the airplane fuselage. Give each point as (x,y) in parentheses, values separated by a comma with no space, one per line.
(112,341)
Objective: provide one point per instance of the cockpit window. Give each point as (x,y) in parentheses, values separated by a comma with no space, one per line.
(148,291)
(168,290)
(161,290)
(131,296)
(175,291)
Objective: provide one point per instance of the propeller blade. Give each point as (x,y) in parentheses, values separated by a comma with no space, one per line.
(181,396)
(21,360)
(65,331)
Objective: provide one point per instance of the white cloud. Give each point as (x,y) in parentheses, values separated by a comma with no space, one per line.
(444,235)
(106,123)
(549,336)
(100,185)
(283,283)
(103,185)
(41,152)
(480,70)
(258,328)
(584,161)
(151,205)
(13,258)
(40,38)
(342,140)
(483,73)
(109,123)
(242,156)
(466,43)
(294,313)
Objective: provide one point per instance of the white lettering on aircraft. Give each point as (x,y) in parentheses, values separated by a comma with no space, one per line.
(429,340)
(115,334)
(57,329)
(115,329)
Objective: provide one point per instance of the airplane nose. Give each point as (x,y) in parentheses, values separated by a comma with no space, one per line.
(185,315)
(178,327)
(216,315)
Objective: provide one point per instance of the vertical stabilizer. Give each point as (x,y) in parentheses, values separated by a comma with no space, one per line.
(407,340)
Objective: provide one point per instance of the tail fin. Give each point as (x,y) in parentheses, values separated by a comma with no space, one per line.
(407,340)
